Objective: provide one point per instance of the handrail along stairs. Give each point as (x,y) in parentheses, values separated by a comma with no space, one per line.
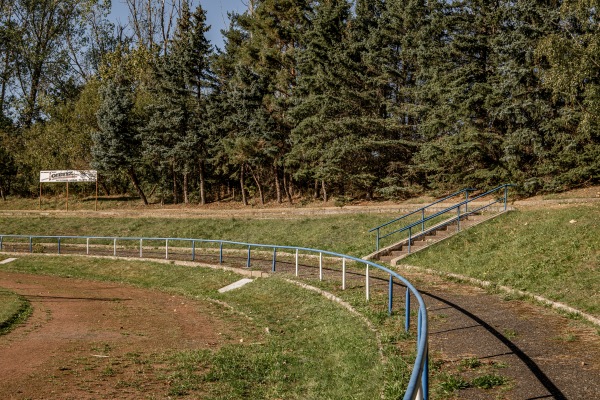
(456,206)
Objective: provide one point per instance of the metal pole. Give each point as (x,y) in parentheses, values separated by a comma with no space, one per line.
(367,282)
(248,261)
(221,253)
(407,311)
(30,245)
(87,246)
(320,266)
(193,250)
(1,238)
(391,295)
(274,259)
(141,245)
(466,199)
(40,201)
(343,274)
(58,245)
(377,241)
(67,196)
(96,203)
(423,220)
(296,262)
(115,247)
(166,249)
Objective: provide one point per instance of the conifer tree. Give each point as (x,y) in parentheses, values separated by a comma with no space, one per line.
(117,145)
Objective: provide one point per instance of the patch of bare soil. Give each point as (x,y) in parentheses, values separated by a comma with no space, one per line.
(94,340)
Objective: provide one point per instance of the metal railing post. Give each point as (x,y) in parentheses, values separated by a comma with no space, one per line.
(274,259)
(377,240)
(423,220)
(296,262)
(58,245)
(1,239)
(30,244)
(367,294)
(193,250)
(390,295)
(320,266)
(248,260)
(141,246)
(166,249)
(343,273)
(87,246)
(407,311)
(115,247)
(220,252)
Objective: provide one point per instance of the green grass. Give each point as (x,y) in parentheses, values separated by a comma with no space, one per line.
(343,233)
(314,349)
(14,309)
(554,253)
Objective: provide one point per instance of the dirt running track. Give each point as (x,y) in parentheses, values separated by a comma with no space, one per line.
(81,331)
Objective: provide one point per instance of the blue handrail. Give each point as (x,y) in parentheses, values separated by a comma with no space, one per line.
(453,207)
(422,210)
(418,386)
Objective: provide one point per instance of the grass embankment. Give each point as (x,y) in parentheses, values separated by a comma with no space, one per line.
(13,310)
(313,348)
(554,253)
(347,234)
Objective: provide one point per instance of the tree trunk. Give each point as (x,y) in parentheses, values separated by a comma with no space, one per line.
(277,183)
(2,193)
(260,189)
(288,189)
(185,188)
(242,184)
(202,183)
(174,182)
(324,190)
(105,188)
(136,184)
(316,195)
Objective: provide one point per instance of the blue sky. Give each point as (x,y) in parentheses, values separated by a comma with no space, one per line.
(216,15)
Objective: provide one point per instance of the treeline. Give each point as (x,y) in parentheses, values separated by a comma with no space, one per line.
(325,99)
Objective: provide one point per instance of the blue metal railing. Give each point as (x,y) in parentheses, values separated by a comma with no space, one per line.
(418,386)
(421,222)
(377,229)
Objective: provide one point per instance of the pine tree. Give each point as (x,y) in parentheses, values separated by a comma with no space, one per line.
(117,145)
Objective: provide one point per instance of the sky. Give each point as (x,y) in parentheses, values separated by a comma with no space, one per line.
(216,15)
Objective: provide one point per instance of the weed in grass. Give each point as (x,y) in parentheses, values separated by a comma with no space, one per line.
(510,333)
(470,363)
(451,383)
(489,381)
(499,364)
(109,371)
(567,338)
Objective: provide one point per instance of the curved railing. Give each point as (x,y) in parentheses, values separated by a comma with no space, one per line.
(418,386)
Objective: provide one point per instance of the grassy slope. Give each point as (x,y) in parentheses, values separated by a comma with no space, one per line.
(343,233)
(13,309)
(540,251)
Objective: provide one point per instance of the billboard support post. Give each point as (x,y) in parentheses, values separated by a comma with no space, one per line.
(69,176)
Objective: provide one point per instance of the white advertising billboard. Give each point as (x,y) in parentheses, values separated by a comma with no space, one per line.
(68,176)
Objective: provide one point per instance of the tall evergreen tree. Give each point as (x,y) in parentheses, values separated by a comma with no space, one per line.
(117,145)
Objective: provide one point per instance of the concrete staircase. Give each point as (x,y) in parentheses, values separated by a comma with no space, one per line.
(397,251)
